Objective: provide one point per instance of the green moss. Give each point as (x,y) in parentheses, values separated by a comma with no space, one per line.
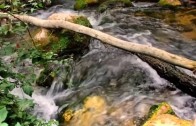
(163,2)
(162,108)
(83,21)
(80,4)
(67,41)
(155,110)
(167,3)
(81,38)
(113,3)
(61,44)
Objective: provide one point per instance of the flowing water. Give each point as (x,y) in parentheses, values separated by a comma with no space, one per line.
(127,84)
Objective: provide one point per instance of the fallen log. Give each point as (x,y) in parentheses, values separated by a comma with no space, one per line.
(133,47)
(169,72)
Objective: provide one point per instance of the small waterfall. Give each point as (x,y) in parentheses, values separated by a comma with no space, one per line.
(125,81)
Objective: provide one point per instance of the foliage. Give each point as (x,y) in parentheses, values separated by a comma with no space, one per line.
(23,6)
(15,111)
(60,45)
(18,6)
(12,28)
(83,21)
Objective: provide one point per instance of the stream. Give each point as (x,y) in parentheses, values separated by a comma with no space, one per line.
(127,84)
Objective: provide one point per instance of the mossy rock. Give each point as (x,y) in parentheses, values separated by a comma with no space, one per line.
(103,4)
(163,108)
(81,4)
(169,2)
(63,40)
(163,115)
(114,3)
(46,77)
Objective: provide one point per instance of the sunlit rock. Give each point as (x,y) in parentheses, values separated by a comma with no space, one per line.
(43,37)
(168,120)
(163,115)
(170,2)
(68,114)
(89,114)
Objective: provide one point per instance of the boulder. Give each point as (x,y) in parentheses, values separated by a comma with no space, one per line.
(81,4)
(57,40)
(163,115)
(89,114)
(103,4)
(170,2)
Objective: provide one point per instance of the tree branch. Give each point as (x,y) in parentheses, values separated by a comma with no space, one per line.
(133,47)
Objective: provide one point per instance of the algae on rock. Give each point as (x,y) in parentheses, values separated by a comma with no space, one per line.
(81,4)
(163,115)
(103,4)
(58,40)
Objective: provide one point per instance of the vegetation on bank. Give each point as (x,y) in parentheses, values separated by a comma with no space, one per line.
(23,6)
(16,111)
(21,49)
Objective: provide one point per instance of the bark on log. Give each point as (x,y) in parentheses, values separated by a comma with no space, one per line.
(133,47)
(180,79)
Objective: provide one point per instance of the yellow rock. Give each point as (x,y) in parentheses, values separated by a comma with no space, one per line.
(170,2)
(96,103)
(68,115)
(161,116)
(93,108)
(168,120)
(43,37)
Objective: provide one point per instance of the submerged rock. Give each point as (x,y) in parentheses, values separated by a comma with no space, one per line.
(182,20)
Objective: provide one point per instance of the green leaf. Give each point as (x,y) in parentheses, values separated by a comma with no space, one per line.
(27,89)
(48,55)
(17,124)
(8,50)
(3,124)
(24,104)
(5,86)
(3,114)
(2,6)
